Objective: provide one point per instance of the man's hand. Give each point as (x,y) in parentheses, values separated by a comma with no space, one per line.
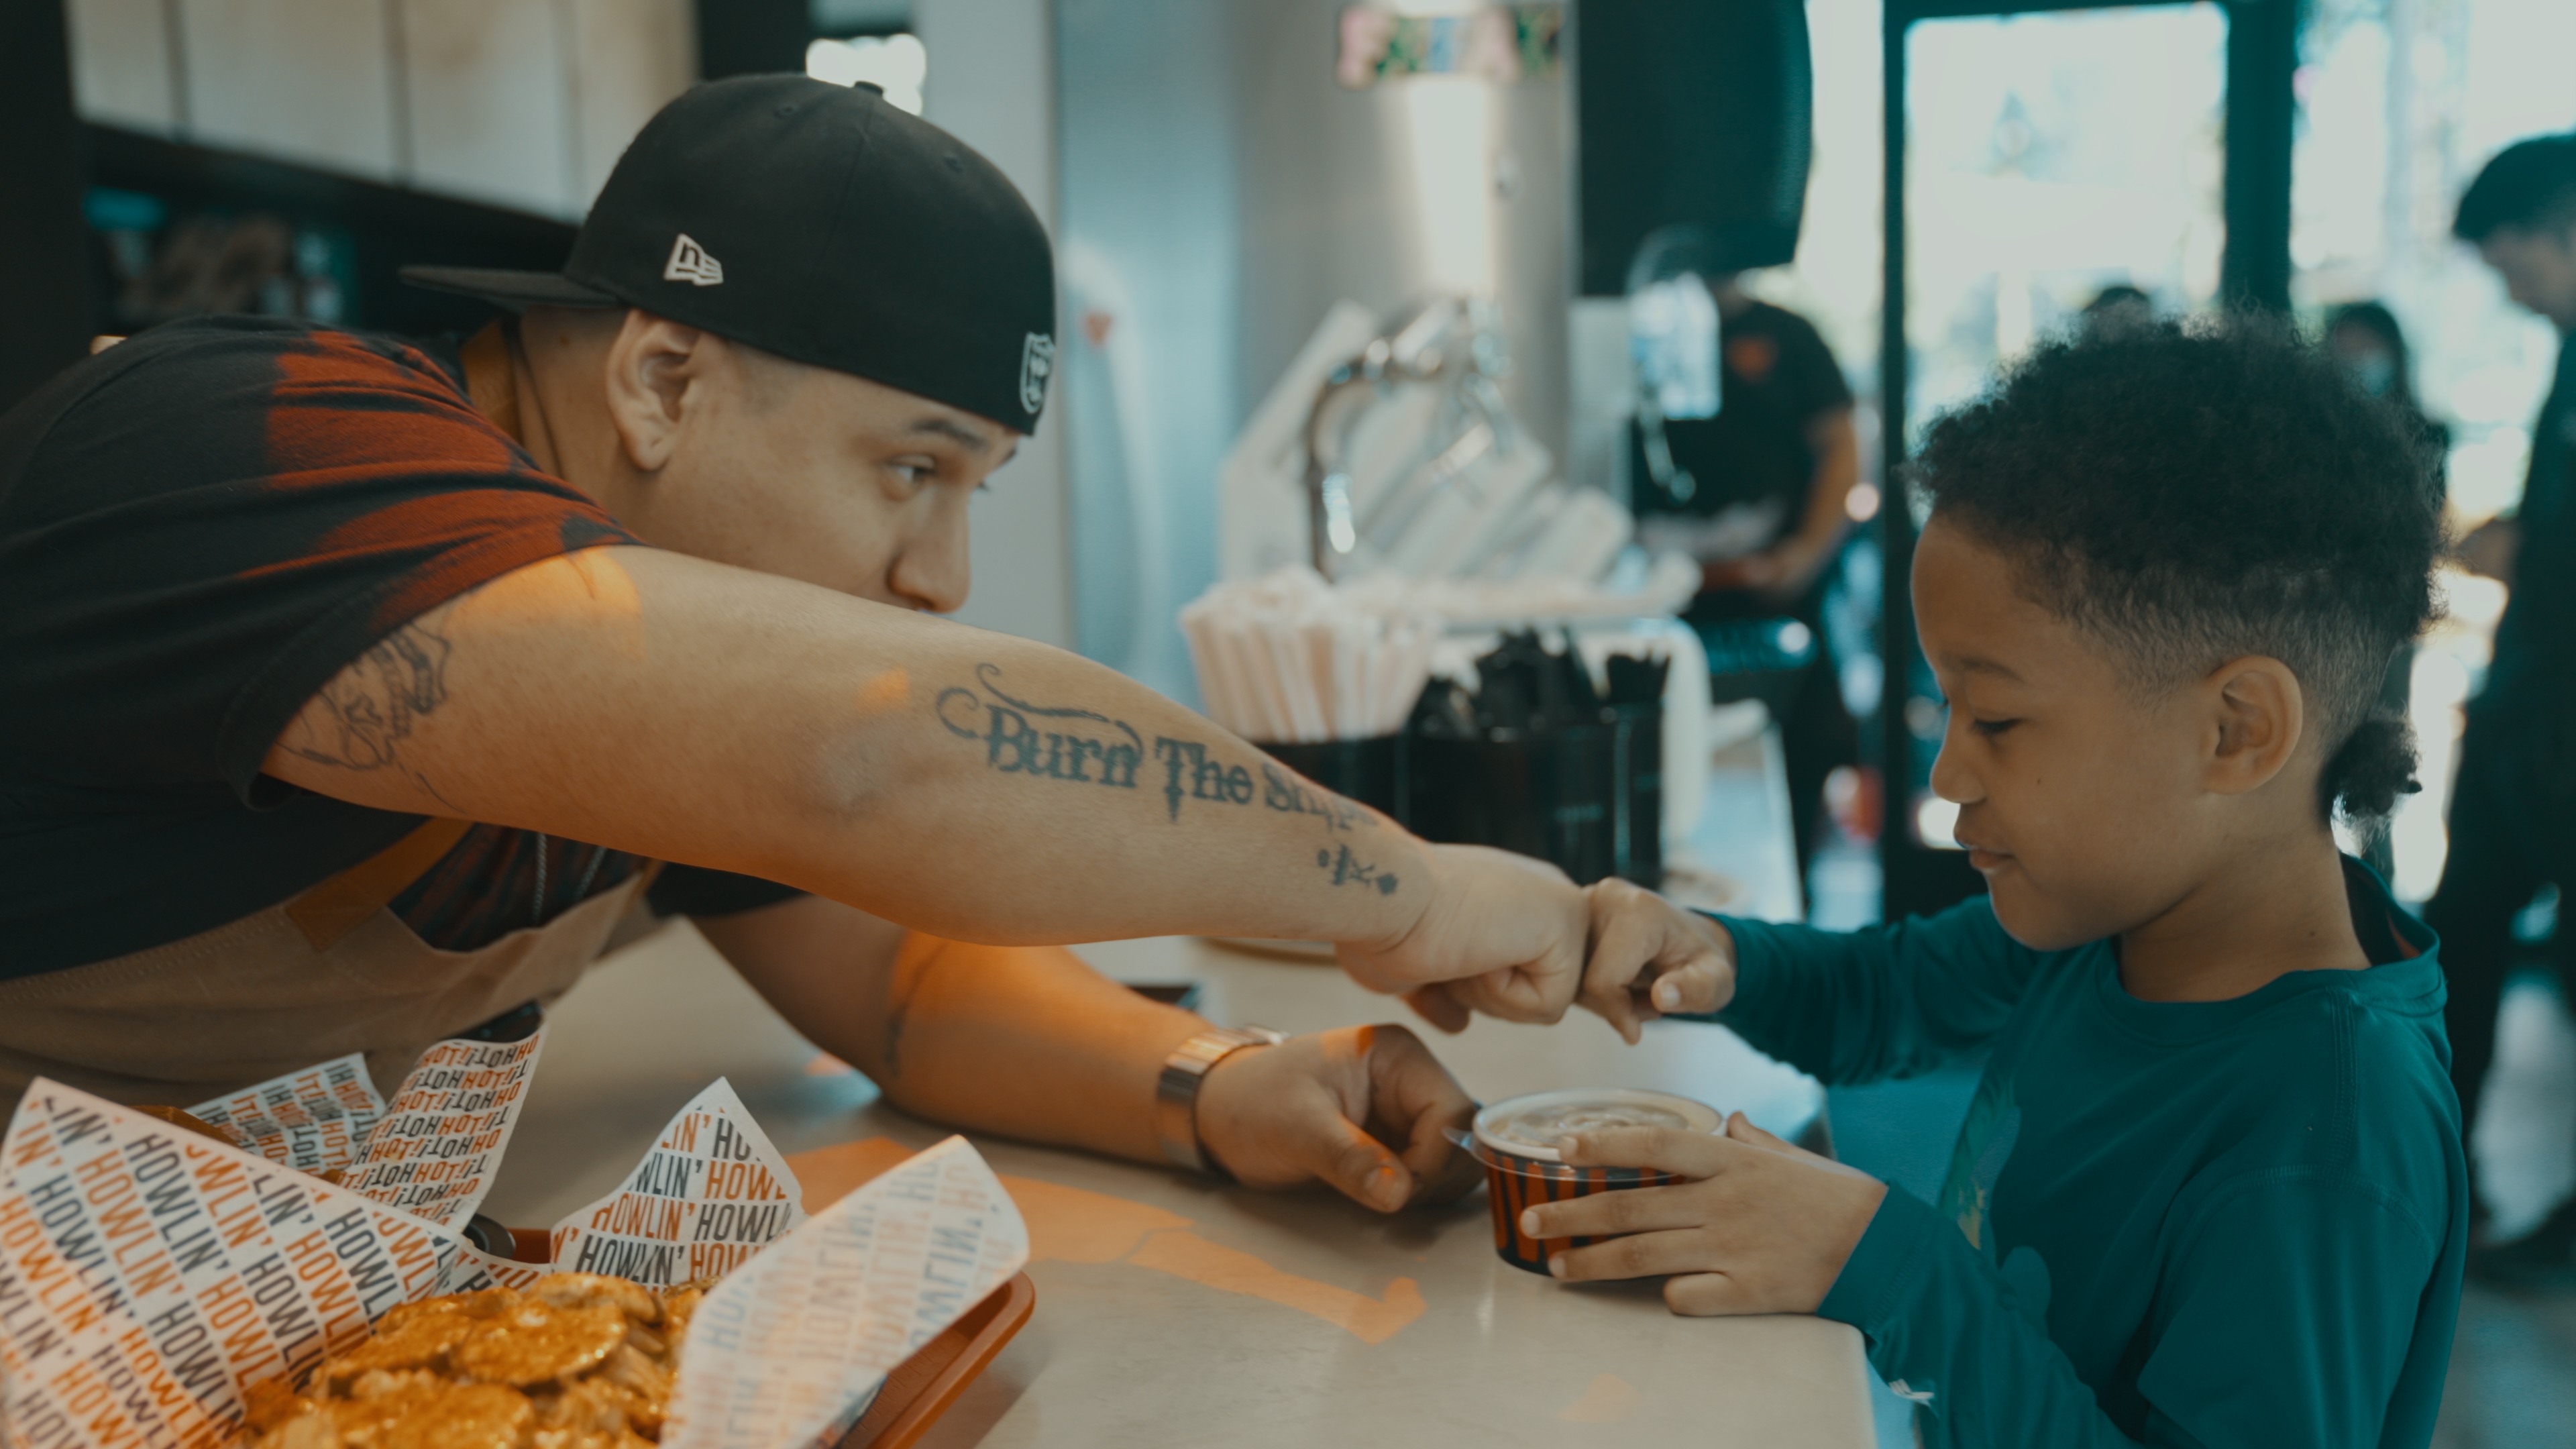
(1501,933)
(1650,957)
(1764,1228)
(1362,1108)
(2492,549)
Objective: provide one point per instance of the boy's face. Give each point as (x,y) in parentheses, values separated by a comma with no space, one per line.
(2080,804)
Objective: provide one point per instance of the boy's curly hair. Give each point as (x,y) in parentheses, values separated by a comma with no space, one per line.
(2192,494)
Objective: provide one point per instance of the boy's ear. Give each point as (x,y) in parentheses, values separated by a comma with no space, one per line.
(2260,714)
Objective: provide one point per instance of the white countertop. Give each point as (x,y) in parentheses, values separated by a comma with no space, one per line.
(1173,1311)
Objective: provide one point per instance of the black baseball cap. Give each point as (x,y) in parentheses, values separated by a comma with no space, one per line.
(820,223)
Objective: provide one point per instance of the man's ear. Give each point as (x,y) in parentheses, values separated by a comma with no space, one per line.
(2260,714)
(656,374)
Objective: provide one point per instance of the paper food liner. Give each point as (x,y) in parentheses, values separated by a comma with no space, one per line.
(315,1120)
(433,1151)
(707,1196)
(151,1276)
(785,1349)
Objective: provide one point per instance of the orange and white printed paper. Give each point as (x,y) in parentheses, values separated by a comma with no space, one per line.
(436,1148)
(792,1346)
(710,1193)
(314,1120)
(150,1275)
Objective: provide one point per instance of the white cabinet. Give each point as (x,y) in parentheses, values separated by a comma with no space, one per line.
(629,58)
(520,103)
(302,80)
(121,62)
(490,115)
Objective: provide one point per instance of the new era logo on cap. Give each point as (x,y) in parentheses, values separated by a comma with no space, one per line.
(690,263)
(1037,359)
(854,236)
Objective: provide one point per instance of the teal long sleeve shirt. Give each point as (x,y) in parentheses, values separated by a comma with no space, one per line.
(2208,1224)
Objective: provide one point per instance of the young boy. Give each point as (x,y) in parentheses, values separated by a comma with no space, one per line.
(2211,1191)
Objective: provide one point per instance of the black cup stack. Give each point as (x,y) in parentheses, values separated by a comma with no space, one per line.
(1540,760)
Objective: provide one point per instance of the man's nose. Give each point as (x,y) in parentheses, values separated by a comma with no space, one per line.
(933,570)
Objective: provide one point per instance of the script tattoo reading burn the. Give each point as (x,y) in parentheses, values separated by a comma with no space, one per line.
(374,705)
(1086,747)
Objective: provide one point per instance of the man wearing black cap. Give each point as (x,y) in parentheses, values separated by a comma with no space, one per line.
(353,689)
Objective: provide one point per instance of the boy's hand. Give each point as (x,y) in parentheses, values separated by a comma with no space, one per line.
(1650,957)
(1766,1227)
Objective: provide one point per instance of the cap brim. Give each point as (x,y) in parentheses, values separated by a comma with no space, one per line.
(514,290)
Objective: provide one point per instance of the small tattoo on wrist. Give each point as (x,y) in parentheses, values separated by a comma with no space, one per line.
(1348,869)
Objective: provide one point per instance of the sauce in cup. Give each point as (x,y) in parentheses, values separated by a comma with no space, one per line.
(1518,1140)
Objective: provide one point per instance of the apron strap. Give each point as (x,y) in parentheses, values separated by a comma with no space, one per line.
(346,901)
(491,381)
(330,911)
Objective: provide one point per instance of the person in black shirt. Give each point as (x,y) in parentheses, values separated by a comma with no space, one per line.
(350,686)
(2366,342)
(1768,486)
(2513,808)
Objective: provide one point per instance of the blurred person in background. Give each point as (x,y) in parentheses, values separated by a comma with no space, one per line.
(2365,340)
(2513,809)
(1783,456)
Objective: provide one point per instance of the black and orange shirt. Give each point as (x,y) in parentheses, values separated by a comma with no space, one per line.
(198,529)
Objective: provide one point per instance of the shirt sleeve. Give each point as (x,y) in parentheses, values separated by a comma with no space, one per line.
(2285,1320)
(696,890)
(1808,373)
(1893,1001)
(234,511)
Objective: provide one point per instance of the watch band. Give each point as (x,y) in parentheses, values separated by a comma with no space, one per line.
(1176,1090)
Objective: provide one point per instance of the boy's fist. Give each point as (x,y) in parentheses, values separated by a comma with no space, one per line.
(1651,958)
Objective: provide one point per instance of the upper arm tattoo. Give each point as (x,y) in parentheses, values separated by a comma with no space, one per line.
(360,719)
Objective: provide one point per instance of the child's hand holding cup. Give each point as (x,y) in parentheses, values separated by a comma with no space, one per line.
(1651,958)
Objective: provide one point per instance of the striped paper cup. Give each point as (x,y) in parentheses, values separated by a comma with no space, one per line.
(1523,1168)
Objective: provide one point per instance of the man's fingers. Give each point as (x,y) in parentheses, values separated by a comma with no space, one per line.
(1360,1166)
(1708,1295)
(1410,1091)
(1645,1255)
(1610,1214)
(1625,938)
(1516,994)
(1690,1154)
(1437,1006)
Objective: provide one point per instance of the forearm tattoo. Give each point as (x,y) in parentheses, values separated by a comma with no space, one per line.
(1086,747)
(361,718)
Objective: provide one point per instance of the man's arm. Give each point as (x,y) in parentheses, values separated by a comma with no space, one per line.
(1787,568)
(973,785)
(1029,1042)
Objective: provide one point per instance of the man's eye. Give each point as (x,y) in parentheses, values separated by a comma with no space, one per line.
(913,474)
(1992,727)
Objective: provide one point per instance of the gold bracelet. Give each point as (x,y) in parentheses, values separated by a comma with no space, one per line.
(1176,1090)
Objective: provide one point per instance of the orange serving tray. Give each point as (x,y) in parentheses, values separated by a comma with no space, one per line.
(922,1387)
